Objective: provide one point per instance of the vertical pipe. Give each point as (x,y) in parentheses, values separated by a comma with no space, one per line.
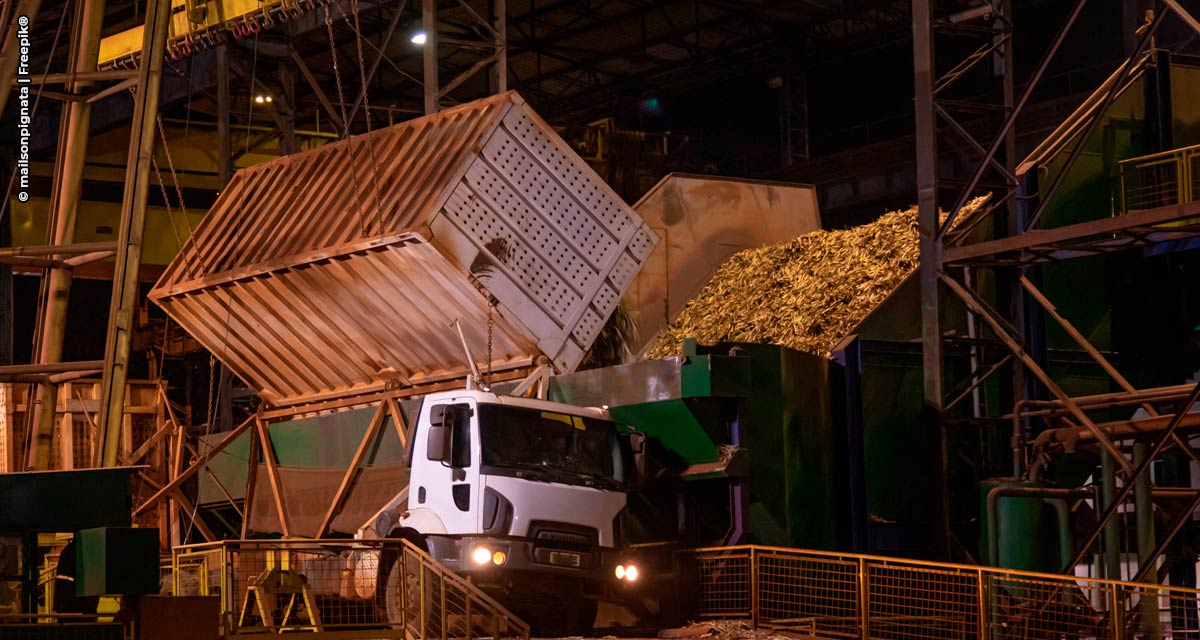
(931,256)
(429,55)
(64,204)
(1143,512)
(1111,540)
(133,227)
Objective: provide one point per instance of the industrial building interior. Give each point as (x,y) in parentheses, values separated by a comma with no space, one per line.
(454,319)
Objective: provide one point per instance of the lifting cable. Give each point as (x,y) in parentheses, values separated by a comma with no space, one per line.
(362,74)
(364,227)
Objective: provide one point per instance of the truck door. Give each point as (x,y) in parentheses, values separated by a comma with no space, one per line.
(448,482)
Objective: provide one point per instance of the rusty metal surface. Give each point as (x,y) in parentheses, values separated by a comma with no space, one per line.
(317,276)
(702,221)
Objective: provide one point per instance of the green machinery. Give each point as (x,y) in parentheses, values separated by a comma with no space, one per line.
(743,445)
(95,505)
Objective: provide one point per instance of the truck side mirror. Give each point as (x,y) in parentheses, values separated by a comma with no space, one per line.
(441,423)
(438,446)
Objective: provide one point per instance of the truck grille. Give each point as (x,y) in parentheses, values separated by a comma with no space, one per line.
(561,535)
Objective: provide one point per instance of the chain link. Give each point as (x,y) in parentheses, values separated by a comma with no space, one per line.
(337,75)
(362,74)
(490,324)
(212,389)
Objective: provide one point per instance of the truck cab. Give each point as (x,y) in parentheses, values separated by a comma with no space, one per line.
(524,496)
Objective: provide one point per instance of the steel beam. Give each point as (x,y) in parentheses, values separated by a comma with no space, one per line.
(9,53)
(976,305)
(1048,193)
(1006,129)
(1131,481)
(379,55)
(930,250)
(429,55)
(318,91)
(343,490)
(133,226)
(196,466)
(64,205)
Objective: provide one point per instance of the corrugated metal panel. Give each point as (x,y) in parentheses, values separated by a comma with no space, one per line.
(348,324)
(327,197)
(284,284)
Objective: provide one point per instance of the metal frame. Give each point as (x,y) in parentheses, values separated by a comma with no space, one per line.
(948,257)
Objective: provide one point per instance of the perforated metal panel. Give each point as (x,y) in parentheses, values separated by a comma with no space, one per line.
(535,212)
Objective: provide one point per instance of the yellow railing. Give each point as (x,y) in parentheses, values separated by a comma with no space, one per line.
(837,595)
(1161,179)
(381,588)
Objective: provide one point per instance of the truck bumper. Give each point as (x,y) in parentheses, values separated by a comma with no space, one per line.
(516,562)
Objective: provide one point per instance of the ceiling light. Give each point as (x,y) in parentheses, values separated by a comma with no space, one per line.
(418,38)
(259,99)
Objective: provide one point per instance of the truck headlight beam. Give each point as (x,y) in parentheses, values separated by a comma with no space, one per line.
(481,555)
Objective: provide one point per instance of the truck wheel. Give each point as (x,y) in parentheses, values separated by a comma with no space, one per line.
(575,617)
(401,593)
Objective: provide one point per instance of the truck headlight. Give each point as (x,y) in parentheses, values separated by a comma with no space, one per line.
(481,555)
(626,572)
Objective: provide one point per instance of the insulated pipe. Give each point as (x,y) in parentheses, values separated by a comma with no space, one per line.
(1045,493)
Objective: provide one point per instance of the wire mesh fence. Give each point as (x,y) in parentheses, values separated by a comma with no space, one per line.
(837,595)
(385,588)
(1160,180)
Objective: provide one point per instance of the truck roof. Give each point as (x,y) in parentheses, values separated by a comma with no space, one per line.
(488,397)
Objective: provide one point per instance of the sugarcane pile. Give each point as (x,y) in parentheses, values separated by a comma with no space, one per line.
(806,293)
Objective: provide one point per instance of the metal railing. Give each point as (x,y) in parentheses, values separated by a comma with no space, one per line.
(380,588)
(63,626)
(838,595)
(1161,179)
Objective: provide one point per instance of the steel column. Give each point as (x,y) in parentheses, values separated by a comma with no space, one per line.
(64,206)
(498,80)
(224,146)
(930,247)
(133,222)
(429,55)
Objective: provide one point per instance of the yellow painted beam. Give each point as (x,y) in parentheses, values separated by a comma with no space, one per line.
(189,23)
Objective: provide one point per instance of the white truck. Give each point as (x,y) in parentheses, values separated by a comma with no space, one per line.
(525,497)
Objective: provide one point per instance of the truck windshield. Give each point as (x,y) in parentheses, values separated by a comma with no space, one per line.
(566,448)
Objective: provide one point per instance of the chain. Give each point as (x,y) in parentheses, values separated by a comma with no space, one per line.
(212,389)
(362,74)
(337,75)
(490,325)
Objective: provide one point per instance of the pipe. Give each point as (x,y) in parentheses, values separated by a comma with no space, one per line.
(1143,512)
(1045,493)
(1062,511)
(1117,430)
(1112,540)
(1017,437)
